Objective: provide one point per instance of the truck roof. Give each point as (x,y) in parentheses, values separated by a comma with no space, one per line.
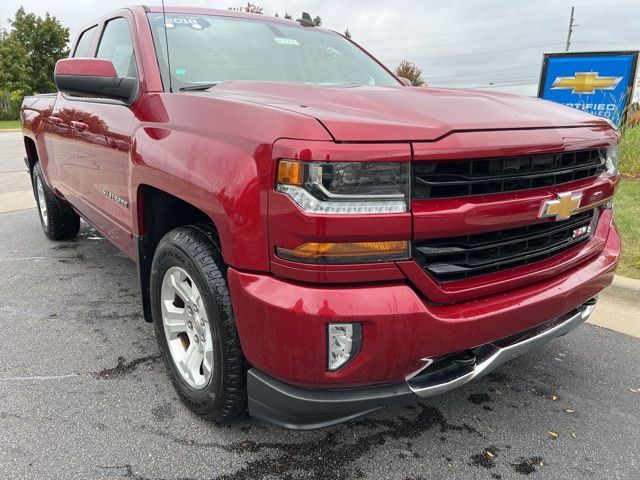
(215,11)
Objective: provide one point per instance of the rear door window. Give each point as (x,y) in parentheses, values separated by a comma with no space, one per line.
(84,43)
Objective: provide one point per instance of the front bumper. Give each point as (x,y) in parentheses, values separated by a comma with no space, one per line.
(299,408)
(283,324)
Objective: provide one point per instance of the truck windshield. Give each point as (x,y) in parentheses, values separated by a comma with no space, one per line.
(207,49)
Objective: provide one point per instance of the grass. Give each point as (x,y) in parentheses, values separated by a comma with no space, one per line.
(627,217)
(630,152)
(7,124)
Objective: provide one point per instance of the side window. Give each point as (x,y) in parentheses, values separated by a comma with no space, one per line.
(84,43)
(116,45)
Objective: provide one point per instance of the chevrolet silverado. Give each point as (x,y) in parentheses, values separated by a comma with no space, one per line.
(315,239)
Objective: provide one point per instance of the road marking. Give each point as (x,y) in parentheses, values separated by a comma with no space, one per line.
(14,201)
(39,377)
(19,259)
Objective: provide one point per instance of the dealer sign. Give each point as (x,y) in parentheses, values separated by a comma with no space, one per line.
(600,83)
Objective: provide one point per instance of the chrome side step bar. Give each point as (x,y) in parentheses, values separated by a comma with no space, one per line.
(451,372)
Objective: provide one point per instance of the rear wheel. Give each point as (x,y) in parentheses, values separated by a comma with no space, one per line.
(194,323)
(58,220)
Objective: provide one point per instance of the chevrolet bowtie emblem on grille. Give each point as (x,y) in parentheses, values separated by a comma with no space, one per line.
(586,82)
(562,207)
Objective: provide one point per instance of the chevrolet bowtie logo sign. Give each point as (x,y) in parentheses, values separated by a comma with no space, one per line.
(562,207)
(586,82)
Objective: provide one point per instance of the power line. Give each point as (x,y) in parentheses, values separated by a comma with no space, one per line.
(484,81)
(620,42)
(458,32)
(474,20)
(501,86)
(493,71)
(473,54)
(454,44)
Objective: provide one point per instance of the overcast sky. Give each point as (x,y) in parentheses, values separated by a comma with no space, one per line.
(494,44)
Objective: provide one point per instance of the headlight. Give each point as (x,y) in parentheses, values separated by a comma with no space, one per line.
(612,160)
(346,188)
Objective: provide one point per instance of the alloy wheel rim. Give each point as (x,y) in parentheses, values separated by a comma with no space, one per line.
(186,328)
(42,204)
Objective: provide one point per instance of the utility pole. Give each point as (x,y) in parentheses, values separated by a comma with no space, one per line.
(566,49)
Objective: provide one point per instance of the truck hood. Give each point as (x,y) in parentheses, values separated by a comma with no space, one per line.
(364,113)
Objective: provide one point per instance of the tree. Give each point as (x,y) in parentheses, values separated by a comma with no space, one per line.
(14,78)
(28,54)
(410,71)
(45,42)
(317,21)
(249,8)
(347,33)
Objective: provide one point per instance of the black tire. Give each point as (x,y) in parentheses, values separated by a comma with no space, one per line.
(195,249)
(59,222)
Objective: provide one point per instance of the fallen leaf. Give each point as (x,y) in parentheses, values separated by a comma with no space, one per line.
(570,410)
(553,435)
(490,454)
(574,435)
(635,390)
(554,398)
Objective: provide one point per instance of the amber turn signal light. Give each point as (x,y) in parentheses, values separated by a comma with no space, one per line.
(357,252)
(290,172)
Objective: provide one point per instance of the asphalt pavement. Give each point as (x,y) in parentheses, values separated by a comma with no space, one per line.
(83,393)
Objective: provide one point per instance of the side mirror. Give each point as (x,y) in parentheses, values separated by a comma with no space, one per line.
(406,82)
(94,77)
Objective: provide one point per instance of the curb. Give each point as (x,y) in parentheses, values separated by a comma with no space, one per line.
(625,288)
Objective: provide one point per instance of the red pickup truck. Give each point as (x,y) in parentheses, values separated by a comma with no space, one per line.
(315,239)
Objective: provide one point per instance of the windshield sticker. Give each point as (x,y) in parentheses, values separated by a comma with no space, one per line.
(189,21)
(286,41)
(181,71)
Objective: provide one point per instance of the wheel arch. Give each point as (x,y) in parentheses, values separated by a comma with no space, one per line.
(159,212)
(32,153)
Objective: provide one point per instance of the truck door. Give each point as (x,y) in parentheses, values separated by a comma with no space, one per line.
(103,142)
(59,136)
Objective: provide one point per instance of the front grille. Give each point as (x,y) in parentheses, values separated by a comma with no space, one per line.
(443,179)
(449,259)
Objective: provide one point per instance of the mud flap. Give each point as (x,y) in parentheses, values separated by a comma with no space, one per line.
(144,251)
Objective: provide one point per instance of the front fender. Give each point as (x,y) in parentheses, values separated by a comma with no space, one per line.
(220,178)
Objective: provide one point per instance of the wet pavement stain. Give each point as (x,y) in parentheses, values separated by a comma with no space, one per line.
(67,246)
(527,466)
(123,367)
(486,458)
(479,398)
(123,471)
(331,458)
(498,377)
(163,412)
(73,259)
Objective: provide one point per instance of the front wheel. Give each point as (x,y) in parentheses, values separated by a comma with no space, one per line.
(194,323)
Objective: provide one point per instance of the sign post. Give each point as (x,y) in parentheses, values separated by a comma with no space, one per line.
(600,83)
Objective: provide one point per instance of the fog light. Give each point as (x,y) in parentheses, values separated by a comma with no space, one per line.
(343,343)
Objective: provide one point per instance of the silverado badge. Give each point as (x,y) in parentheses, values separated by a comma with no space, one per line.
(562,207)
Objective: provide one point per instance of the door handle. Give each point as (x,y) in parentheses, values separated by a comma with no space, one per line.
(55,120)
(80,126)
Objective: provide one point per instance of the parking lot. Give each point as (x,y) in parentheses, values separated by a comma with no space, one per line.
(84,394)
